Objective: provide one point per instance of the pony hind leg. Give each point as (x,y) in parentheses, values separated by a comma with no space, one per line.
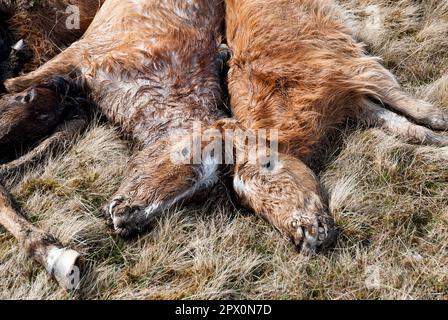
(47,105)
(66,63)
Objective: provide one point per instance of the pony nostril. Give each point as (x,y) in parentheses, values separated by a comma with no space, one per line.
(322,234)
(119,223)
(121,227)
(126,227)
(29,96)
(119,198)
(313,230)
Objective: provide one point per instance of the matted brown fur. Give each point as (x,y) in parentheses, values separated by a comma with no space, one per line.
(297,68)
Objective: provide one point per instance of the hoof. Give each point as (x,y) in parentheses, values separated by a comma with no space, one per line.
(62,264)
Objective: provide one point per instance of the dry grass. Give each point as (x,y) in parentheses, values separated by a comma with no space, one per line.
(389,199)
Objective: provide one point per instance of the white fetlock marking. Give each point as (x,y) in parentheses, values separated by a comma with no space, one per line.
(53,255)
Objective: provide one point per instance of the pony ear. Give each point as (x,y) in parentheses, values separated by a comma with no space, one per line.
(64,85)
(57,107)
